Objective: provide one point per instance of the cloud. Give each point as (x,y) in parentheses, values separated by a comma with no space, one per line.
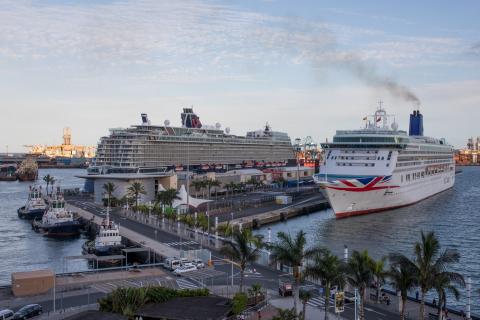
(475,48)
(193,39)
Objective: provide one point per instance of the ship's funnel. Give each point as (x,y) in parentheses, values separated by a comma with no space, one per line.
(145,119)
(190,119)
(416,124)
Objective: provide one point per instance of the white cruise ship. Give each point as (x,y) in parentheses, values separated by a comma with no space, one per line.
(380,167)
(203,148)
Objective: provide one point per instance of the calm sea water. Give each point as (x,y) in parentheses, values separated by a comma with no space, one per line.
(22,249)
(454,215)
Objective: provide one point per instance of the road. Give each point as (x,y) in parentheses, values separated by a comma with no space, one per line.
(267,277)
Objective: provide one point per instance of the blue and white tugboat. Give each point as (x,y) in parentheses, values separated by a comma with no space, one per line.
(35,206)
(57,221)
(108,240)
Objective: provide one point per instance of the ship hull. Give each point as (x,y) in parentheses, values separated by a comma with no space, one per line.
(347,203)
(30,214)
(62,229)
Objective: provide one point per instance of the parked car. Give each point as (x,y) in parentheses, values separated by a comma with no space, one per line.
(6,314)
(184,269)
(285,287)
(28,311)
(198,263)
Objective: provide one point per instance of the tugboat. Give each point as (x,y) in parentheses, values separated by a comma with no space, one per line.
(57,221)
(35,206)
(28,170)
(108,240)
(8,172)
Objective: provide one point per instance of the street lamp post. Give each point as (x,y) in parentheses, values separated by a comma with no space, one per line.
(149,211)
(231,239)
(469,295)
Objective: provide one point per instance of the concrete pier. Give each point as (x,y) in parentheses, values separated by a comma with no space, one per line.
(156,247)
(297,209)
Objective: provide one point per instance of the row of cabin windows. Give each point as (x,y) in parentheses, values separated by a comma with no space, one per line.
(109,234)
(422,174)
(349,164)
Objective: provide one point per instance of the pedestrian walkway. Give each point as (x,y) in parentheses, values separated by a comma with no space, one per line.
(185,284)
(107,287)
(182,243)
(319,301)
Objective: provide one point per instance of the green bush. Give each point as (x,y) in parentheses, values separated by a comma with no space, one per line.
(239,302)
(127,301)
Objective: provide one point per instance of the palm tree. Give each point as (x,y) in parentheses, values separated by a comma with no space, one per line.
(230,187)
(329,269)
(216,184)
(360,275)
(403,278)
(197,185)
(291,251)
(429,262)
(255,291)
(285,314)
(135,189)
(49,180)
(446,281)
(304,296)
(379,275)
(245,248)
(167,197)
(109,189)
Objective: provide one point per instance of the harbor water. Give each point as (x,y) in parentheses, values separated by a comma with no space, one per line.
(453,215)
(22,249)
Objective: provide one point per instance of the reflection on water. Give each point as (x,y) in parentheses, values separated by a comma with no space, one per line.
(22,249)
(453,215)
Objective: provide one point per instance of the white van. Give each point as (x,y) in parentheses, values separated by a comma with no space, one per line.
(6,314)
(172,263)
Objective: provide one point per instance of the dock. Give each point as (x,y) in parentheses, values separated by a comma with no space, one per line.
(306,206)
(156,247)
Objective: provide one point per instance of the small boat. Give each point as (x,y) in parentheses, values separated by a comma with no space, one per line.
(57,221)
(35,206)
(205,167)
(108,240)
(178,168)
(218,167)
(8,172)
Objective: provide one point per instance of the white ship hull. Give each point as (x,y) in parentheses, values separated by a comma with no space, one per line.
(394,194)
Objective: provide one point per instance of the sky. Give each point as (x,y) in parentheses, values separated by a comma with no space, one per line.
(306,67)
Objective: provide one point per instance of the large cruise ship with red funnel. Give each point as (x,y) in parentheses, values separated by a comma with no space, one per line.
(380,167)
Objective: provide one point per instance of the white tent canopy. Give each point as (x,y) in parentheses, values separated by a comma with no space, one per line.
(182,194)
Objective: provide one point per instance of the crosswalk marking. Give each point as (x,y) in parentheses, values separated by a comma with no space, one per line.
(319,302)
(181,243)
(185,284)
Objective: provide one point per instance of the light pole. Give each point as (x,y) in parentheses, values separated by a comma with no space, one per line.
(469,296)
(297,153)
(231,239)
(149,211)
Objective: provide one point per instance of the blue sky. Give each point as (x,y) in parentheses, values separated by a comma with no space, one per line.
(306,67)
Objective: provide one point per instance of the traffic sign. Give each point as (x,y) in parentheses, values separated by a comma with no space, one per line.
(339,302)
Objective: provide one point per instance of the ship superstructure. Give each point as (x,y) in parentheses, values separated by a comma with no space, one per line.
(35,205)
(199,146)
(380,167)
